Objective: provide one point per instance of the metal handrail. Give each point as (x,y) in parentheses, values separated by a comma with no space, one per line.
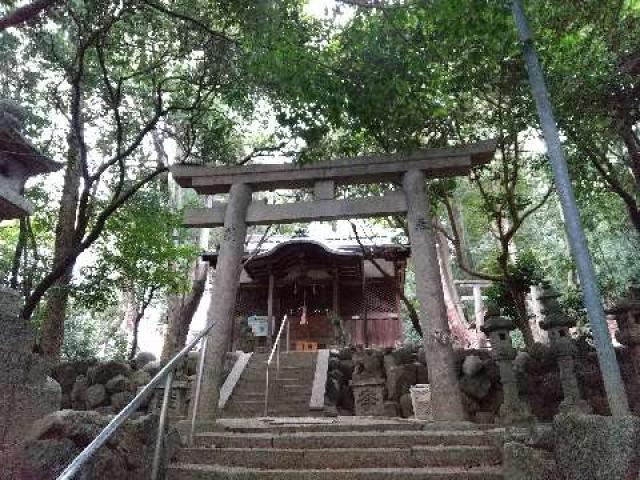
(166,372)
(275,351)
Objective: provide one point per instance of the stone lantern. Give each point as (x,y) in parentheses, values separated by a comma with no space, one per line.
(26,392)
(627,316)
(498,329)
(19,160)
(558,324)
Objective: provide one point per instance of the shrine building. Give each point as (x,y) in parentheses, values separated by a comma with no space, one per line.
(332,295)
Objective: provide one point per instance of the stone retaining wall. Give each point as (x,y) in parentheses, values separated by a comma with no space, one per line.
(537,373)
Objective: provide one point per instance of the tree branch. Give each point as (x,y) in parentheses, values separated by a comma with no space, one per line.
(25,13)
(187,18)
(460,257)
(379,4)
(61,267)
(413,314)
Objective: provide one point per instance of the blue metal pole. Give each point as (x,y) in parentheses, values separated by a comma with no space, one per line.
(609,367)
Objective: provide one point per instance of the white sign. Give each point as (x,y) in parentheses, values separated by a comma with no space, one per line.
(259,325)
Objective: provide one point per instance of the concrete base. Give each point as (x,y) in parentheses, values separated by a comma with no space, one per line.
(525,463)
(591,447)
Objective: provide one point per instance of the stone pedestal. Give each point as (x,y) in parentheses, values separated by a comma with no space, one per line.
(557,324)
(498,328)
(368,395)
(421,400)
(178,399)
(26,392)
(513,409)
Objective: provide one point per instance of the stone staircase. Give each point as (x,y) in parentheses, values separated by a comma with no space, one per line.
(329,449)
(289,393)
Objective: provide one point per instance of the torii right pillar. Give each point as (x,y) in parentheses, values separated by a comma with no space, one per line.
(446,398)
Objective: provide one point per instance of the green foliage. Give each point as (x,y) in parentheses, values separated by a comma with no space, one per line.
(94,334)
(143,251)
(525,273)
(428,74)
(573,306)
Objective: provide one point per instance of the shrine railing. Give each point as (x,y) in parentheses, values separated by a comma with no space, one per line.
(275,351)
(166,374)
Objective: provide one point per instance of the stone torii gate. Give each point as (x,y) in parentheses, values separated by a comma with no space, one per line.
(410,169)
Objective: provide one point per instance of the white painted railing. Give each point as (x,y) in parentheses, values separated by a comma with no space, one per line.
(275,351)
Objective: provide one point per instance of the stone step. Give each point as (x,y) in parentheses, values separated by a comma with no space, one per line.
(273,387)
(211,472)
(273,401)
(338,439)
(283,368)
(261,376)
(346,424)
(274,398)
(259,413)
(343,458)
(259,386)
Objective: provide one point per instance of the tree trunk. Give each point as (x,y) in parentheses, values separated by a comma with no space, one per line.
(25,13)
(522,316)
(52,334)
(457,321)
(18,254)
(134,339)
(181,311)
(130,309)
(457,217)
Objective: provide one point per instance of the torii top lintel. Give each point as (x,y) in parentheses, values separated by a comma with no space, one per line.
(441,162)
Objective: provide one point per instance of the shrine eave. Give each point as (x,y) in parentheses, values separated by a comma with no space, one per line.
(312,253)
(16,147)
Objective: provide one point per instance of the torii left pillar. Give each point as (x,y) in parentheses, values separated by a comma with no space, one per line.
(223,299)
(446,398)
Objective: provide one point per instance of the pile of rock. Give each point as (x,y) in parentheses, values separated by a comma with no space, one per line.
(399,369)
(103,386)
(58,438)
(108,386)
(480,385)
(338,393)
(403,368)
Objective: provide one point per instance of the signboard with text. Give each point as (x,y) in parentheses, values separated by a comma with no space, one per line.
(259,325)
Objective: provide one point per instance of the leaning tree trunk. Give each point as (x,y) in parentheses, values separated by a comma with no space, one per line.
(181,311)
(457,320)
(52,334)
(522,315)
(134,337)
(457,217)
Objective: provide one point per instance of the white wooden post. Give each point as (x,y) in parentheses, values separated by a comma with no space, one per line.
(478,306)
